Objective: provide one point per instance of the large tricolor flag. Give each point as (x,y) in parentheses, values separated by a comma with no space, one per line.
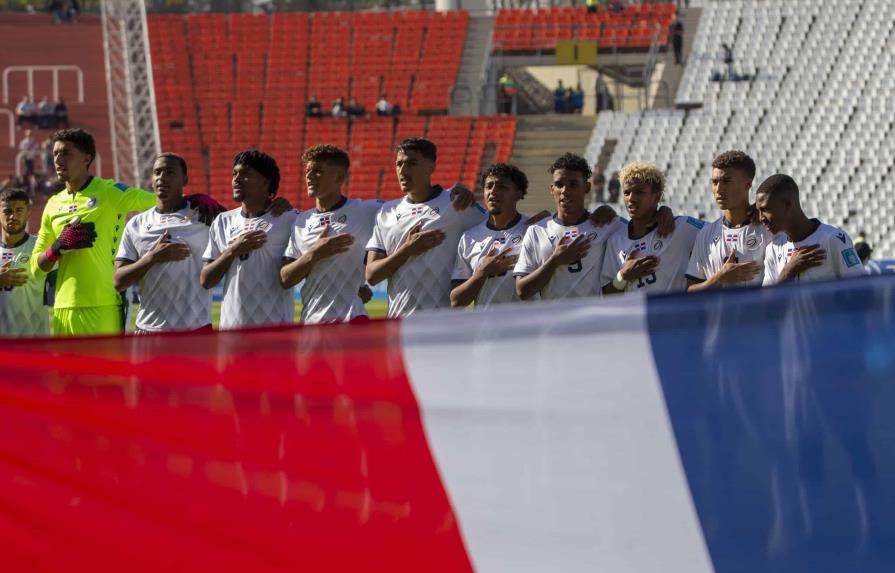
(748,430)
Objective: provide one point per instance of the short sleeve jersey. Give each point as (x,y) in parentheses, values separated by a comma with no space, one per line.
(715,242)
(22,312)
(171,297)
(85,275)
(673,253)
(329,292)
(474,246)
(578,279)
(423,282)
(252,292)
(841,261)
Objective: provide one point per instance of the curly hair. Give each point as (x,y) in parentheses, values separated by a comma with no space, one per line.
(641,172)
(263,164)
(571,162)
(736,160)
(82,140)
(327,154)
(507,171)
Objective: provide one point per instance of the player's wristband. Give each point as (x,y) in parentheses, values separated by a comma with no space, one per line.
(618,282)
(51,256)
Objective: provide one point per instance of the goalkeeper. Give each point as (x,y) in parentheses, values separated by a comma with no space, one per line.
(80,230)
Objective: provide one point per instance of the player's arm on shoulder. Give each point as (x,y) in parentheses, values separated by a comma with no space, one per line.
(132,198)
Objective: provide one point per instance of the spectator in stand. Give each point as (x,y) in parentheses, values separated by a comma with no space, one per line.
(677,40)
(616,6)
(578,99)
(599,186)
(727,56)
(26,111)
(46,114)
(614,188)
(57,9)
(48,169)
(30,150)
(559,98)
(338,109)
(61,112)
(507,93)
(312,108)
(602,94)
(355,109)
(592,6)
(386,108)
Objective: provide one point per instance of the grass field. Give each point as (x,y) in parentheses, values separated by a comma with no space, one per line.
(375,308)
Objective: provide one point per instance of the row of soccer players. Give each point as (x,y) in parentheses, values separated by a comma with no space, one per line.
(438,248)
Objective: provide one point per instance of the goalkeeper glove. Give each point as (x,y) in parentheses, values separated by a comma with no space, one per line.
(75,235)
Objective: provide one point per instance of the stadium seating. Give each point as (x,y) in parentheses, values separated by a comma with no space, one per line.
(242,81)
(819,107)
(525,30)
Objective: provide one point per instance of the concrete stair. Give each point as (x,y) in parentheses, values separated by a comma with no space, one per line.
(540,139)
(671,73)
(468,88)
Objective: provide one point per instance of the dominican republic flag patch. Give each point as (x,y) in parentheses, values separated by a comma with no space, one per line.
(6,256)
(417,210)
(570,234)
(324,219)
(731,237)
(639,246)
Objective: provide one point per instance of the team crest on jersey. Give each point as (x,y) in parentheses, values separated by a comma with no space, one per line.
(92,203)
(657,246)
(71,209)
(342,219)
(752,242)
(591,236)
(517,239)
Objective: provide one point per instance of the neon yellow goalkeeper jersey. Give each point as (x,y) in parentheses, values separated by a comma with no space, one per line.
(85,275)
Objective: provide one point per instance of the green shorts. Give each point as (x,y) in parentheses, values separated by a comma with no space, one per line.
(95,320)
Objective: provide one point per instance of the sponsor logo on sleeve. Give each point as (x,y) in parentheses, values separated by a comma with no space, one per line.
(850,257)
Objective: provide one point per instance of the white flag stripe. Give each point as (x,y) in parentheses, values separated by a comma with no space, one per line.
(550,431)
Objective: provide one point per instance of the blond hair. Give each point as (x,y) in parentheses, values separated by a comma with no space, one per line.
(640,172)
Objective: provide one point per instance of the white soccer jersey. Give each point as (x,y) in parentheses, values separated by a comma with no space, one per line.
(474,246)
(252,292)
(22,310)
(329,292)
(673,253)
(423,282)
(715,242)
(171,297)
(842,261)
(578,279)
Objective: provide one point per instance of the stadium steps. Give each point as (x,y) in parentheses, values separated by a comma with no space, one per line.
(24,41)
(472,62)
(671,74)
(541,139)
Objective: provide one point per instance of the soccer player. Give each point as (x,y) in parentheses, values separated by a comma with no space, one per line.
(326,249)
(80,230)
(806,249)
(22,311)
(488,252)
(246,246)
(415,238)
(637,259)
(730,251)
(561,256)
(161,251)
